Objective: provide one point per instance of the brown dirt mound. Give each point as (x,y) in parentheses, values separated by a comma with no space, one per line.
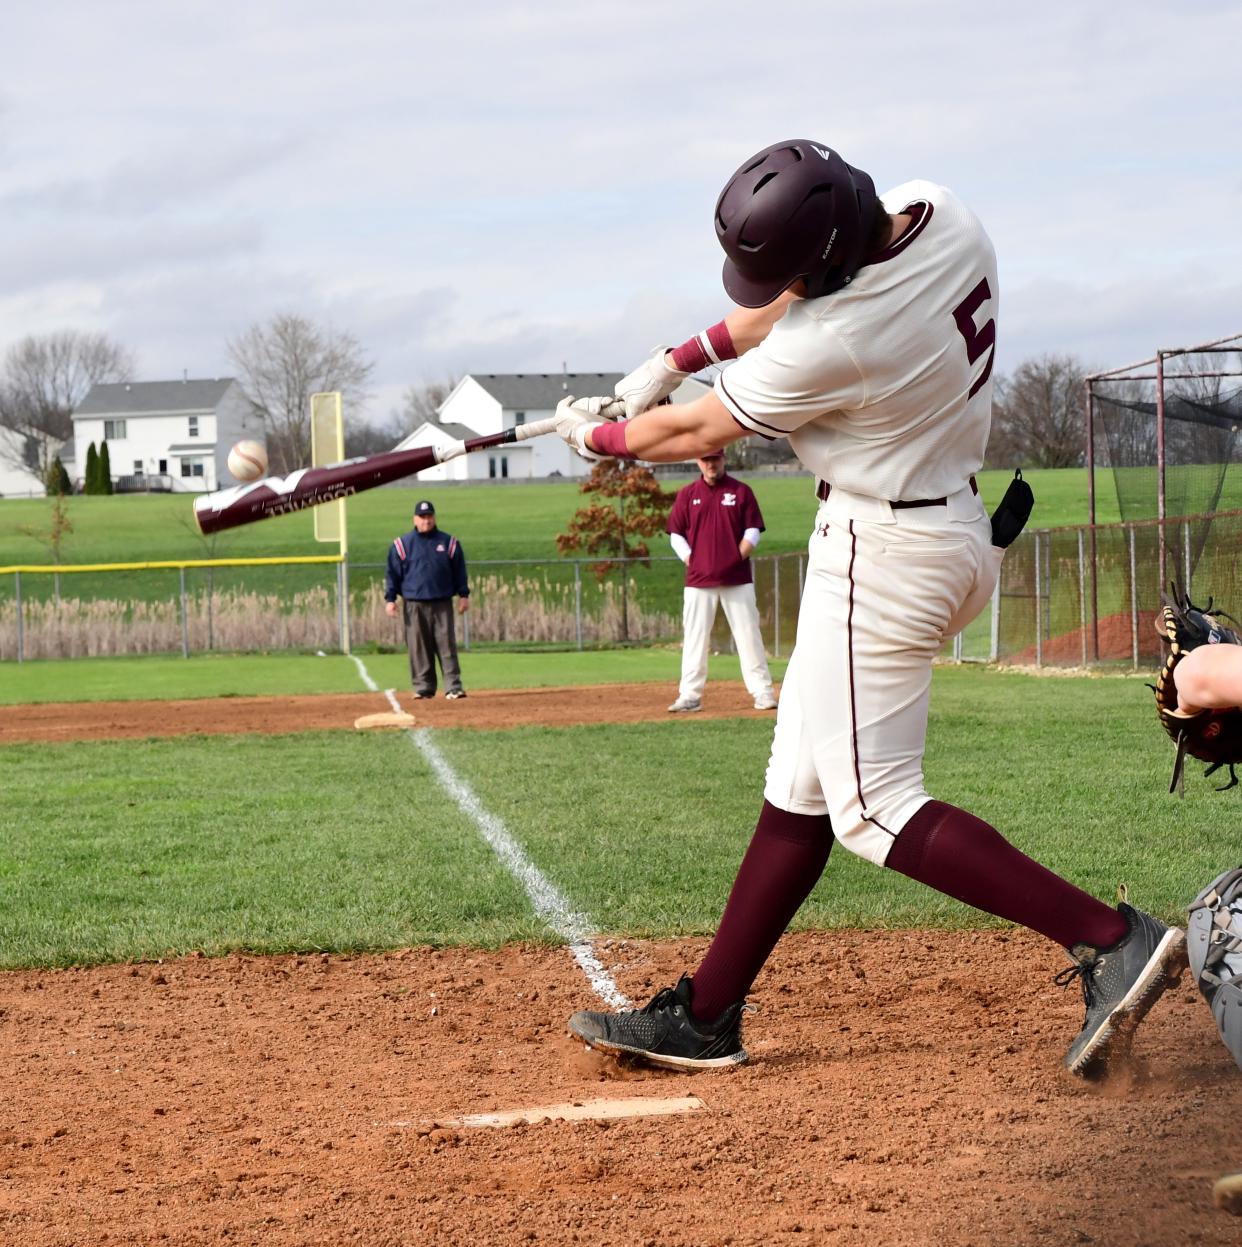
(491,708)
(905,1090)
(1116,640)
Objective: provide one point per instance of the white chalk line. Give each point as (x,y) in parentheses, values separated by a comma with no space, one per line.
(575,928)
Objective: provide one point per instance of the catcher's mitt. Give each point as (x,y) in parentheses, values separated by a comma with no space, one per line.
(1213,736)
(1214,943)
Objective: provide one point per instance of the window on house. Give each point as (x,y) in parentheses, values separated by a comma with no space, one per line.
(191,467)
(504,465)
(114,430)
(491,467)
(193,423)
(519,417)
(137,467)
(163,467)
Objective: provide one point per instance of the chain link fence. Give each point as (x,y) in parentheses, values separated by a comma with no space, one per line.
(1070,597)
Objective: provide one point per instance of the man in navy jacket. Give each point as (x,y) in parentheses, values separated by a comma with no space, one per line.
(426,568)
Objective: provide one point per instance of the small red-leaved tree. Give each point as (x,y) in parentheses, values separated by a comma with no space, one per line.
(636,508)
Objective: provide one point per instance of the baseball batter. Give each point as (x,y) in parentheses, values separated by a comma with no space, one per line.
(866,330)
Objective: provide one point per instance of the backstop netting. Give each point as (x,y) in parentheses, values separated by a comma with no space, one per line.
(1201,423)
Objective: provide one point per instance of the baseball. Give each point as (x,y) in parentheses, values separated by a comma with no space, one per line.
(248,461)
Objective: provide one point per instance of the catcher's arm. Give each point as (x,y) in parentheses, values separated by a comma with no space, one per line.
(1209,678)
(1200,709)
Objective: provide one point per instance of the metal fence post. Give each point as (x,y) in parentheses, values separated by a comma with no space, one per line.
(776,606)
(1186,555)
(1039,605)
(801,574)
(185,623)
(347,627)
(578,602)
(17,594)
(1082,595)
(1134,626)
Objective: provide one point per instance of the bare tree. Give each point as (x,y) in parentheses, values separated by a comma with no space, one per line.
(364,438)
(281,364)
(1037,418)
(43,379)
(421,403)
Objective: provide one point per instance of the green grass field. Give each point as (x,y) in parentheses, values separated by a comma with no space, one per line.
(493,522)
(332,840)
(253,675)
(513,522)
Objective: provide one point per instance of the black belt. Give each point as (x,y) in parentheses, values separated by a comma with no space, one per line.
(823,489)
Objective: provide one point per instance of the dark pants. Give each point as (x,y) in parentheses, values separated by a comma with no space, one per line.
(429,635)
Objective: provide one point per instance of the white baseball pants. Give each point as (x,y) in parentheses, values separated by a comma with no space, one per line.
(698,613)
(884,589)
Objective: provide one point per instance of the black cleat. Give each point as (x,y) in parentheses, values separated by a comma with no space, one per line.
(665,1033)
(1120,985)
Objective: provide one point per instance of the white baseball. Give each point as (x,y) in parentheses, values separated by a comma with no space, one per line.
(248,461)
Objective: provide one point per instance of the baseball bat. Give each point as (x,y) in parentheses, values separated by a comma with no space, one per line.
(310,487)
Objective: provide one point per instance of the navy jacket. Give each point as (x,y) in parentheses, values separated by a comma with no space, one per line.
(424,566)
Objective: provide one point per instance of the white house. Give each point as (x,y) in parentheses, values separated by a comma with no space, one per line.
(489,402)
(166,435)
(17,478)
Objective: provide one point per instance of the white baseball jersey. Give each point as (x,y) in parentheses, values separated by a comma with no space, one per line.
(884,388)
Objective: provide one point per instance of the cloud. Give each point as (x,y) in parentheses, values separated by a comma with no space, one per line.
(507,187)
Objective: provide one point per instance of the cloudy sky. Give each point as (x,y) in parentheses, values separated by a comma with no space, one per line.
(502,187)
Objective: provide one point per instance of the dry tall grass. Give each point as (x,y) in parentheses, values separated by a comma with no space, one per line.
(500,610)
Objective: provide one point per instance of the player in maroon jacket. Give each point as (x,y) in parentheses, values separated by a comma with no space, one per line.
(713,527)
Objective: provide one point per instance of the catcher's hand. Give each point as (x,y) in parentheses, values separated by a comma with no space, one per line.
(1215,735)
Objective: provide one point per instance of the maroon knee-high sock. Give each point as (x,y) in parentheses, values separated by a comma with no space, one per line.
(786,857)
(968,859)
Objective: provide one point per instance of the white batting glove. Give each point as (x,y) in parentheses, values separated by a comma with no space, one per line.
(650,383)
(576,417)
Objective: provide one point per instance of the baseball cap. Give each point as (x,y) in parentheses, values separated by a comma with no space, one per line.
(424,508)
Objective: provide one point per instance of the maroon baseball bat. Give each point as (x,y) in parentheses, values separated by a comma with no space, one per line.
(310,487)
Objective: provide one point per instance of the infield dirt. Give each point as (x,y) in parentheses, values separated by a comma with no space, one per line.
(906,1089)
(488,709)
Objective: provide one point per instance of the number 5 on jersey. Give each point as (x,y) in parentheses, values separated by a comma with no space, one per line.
(978,338)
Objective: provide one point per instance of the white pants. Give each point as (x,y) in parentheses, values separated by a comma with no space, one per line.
(883,591)
(698,613)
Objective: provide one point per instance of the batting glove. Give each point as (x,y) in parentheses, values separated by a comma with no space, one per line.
(576,417)
(650,383)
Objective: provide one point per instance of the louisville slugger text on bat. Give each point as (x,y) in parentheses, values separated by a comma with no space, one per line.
(310,487)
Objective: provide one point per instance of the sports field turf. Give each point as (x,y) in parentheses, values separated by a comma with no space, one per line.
(252,675)
(333,840)
(152,527)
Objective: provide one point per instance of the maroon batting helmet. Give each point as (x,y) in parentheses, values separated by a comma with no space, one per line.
(794,210)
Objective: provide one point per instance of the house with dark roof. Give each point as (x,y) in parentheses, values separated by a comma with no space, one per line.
(166,435)
(491,402)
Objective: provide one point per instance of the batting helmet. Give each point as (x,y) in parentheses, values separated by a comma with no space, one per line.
(794,210)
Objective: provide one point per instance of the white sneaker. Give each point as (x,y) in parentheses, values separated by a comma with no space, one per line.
(684,705)
(766,702)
